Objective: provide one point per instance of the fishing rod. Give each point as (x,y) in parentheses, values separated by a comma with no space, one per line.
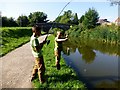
(48,41)
(58,16)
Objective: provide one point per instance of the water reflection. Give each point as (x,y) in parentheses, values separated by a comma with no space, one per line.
(87,47)
(95,63)
(114,84)
(87,54)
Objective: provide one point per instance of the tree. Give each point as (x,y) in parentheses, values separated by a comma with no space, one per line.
(23,21)
(65,18)
(4,21)
(8,22)
(116,2)
(81,19)
(12,22)
(0,20)
(90,19)
(68,18)
(75,20)
(37,17)
(58,19)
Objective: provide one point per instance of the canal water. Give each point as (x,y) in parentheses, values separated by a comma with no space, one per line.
(95,63)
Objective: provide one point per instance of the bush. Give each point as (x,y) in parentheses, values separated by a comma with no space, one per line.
(108,34)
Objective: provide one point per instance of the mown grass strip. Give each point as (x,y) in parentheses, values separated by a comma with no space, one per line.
(13,37)
(65,78)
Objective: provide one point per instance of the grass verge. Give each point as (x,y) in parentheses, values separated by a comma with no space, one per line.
(65,78)
(13,37)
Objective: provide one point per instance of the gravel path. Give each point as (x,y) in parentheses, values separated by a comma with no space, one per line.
(16,68)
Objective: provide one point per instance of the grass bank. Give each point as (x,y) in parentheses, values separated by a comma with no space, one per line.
(61,79)
(13,37)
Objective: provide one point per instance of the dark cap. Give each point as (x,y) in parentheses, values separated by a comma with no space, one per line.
(36,27)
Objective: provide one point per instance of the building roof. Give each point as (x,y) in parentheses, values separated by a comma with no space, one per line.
(117,20)
(103,21)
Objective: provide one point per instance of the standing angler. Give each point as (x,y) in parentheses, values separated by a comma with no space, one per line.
(36,47)
(58,48)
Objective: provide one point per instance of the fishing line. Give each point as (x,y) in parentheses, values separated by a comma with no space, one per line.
(59,15)
(64,8)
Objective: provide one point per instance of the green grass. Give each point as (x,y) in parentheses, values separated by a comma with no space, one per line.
(65,78)
(13,37)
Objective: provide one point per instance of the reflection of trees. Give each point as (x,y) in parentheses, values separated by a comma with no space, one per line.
(85,47)
(66,50)
(69,44)
(87,54)
(115,84)
(73,49)
(107,48)
(111,49)
(118,50)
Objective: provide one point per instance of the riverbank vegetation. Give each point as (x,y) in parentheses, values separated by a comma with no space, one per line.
(88,27)
(105,34)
